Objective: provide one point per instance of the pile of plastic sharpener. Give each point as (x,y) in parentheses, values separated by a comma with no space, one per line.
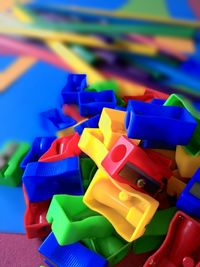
(122,176)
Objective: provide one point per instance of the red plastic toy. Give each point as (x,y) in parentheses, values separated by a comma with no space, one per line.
(62,148)
(148,95)
(72,111)
(181,247)
(143,169)
(35,221)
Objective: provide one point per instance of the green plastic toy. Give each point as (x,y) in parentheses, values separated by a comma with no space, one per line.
(88,169)
(10,158)
(73,221)
(107,85)
(113,248)
(177,100)
(155,232)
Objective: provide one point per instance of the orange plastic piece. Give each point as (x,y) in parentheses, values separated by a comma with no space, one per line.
(170,154)
(128,210)
(175,185)
(91,143)
(187,163)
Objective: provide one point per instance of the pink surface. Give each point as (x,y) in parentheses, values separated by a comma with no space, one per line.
(12,46)
(18,251)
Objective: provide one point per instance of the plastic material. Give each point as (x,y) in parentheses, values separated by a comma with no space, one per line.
(103,86)
(88,170)
(178,100)
(112,126)
(58,118)
(73,221)
(39,146)
(72,111)
(155,232)
(175,186)
(170,125)
(42,180)
(187,163)
(90,123)
(189,200)
(113,248)
(75,84)
(75,255)
(10,158)
(35,221)
(92,103)
(144,170)
(129,211)
(91,143)
(62,148)
(182,241)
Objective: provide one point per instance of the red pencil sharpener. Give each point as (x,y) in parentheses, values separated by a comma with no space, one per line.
(181,247)
(143,169)
(35,221)
(62,148)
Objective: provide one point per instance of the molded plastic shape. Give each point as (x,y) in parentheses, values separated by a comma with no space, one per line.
(39,146)
(73,221)
(42,180)
(88,170)
(112,126)
(193,147)
(189,200)
(129,211)
(90,123)
(113,248)
(182,240)
(155,232)
(167,124)
(75,84)
(62,148)
(91,143)
(92,103)
(175,186)
(75,255)
(187,164)
(10,158)
(144,170)
(35,221)
(58,118)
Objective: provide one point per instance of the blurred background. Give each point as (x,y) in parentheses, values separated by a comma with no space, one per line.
(148,47)
(140,44)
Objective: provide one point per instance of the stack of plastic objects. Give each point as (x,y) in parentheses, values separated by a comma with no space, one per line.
(113,182)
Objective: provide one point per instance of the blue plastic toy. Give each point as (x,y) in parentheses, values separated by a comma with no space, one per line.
(157,101)
(120,108)
(166,124)
(156,145)
(42,180)
(76,83)
(90,123)
(58,118)
(39,146)
(75,255)
(189,200)
(92,103)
